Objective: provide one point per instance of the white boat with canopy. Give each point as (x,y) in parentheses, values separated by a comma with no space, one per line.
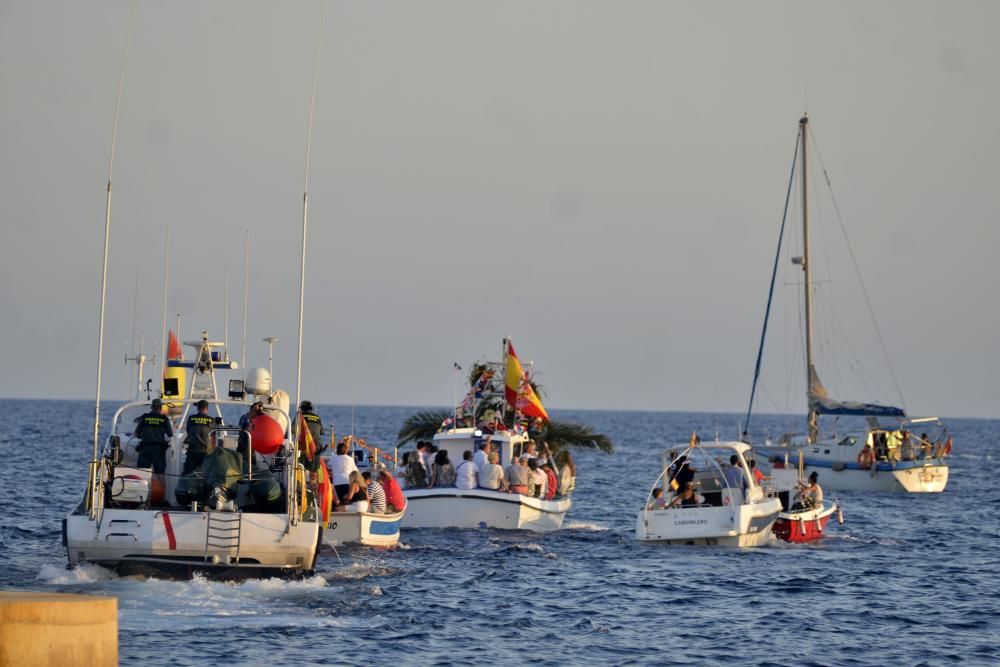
(724,506)
(893,452)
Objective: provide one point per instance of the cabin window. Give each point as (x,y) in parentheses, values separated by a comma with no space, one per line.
(848,441)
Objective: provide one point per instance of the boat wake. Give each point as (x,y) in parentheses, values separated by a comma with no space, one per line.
(86,573)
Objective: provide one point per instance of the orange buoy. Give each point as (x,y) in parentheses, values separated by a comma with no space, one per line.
(266,434)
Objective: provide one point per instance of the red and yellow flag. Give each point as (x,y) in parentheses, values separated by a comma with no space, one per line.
(519,391)
(306,442)
(325,489)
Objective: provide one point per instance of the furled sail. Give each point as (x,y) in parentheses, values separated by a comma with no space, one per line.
(821,403)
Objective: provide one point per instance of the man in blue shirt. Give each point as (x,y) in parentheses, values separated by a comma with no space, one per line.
(735,479)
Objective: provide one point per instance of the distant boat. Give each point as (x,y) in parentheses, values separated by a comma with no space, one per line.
(888,455)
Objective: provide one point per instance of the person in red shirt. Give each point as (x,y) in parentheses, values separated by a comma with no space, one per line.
(553,483)
(394,499)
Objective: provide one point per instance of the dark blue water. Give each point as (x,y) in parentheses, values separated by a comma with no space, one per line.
(907,580)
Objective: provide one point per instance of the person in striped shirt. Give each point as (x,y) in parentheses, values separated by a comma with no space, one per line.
(376,495)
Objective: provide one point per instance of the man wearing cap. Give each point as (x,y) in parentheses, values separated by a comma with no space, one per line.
(154,432)
(198,428)
(315,426)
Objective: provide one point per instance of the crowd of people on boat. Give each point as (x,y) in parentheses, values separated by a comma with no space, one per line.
(375,492)
(532,472)
(900,445)
(680,479)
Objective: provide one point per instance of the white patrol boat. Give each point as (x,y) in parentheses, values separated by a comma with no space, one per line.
(715,511)
(451,507)
(262,520)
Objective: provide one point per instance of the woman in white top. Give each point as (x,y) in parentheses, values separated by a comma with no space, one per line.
(341,466)
(491,475)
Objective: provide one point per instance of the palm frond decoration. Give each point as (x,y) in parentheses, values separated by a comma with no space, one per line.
(562,435)
(421,426)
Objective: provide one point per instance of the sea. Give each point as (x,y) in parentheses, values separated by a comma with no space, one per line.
(906,580)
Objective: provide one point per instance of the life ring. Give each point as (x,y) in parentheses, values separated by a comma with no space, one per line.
(300,480)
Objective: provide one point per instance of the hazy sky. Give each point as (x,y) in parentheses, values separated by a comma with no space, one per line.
(603,181)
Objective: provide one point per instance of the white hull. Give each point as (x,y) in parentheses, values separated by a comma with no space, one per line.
(373,530)
(740,526)
(482,508)
(180,541)
(929,476)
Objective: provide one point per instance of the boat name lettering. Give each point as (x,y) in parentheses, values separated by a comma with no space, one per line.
(690,522)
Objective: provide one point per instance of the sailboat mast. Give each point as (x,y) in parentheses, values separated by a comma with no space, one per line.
(806,268)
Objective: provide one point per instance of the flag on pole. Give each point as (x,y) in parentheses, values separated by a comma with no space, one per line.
(306,443)
(518,391)
(174,350)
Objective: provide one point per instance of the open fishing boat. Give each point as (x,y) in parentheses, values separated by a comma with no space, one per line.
(887,455)
(497,389)
(372,529)
(800,521)
(451,507)
(246,512)
(724,506)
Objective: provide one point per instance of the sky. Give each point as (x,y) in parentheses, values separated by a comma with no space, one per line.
(601,181)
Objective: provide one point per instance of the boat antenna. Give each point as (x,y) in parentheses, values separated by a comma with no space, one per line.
(166,281)
(107,236)
(246,283)
(770,293)
(305,212)
(225,335)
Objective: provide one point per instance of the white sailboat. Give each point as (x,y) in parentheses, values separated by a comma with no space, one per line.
(888,455)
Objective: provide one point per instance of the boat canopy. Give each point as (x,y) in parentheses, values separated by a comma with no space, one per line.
(821,403)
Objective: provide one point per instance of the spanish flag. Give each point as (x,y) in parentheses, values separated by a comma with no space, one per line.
(306,442)
(519,393)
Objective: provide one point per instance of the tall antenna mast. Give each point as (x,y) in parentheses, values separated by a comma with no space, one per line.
(107,238)
(305,213)
(246,284)
(225,337)
(166,281)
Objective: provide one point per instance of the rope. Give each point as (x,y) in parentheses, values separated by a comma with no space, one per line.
(854,261)
(770,292)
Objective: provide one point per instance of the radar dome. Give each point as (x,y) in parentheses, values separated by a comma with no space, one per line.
(258,382)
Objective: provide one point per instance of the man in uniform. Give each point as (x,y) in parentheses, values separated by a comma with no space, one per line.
(154,432)
(315,426)
(199,428)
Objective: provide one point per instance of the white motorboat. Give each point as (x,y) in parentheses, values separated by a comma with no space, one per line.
(266,523)
(717,512)
(888,455)
(451,507)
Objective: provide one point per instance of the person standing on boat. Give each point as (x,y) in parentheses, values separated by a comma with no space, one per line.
(154,432)
(735,479)
(467,473)
(198,428)
(341,466)
(315,426)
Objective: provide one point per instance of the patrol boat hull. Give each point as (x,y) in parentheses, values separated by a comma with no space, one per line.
(181,543)
(482,508)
